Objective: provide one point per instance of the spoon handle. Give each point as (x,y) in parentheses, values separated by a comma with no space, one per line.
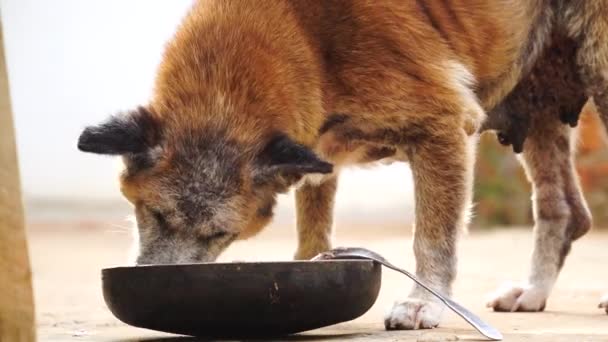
(362,253)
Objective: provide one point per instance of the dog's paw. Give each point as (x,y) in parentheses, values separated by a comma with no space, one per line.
(604,303)
(514,297)
(414,313)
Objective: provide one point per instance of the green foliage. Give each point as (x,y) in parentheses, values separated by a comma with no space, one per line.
(502,193)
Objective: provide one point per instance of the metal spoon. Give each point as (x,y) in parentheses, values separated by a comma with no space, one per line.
(362,253)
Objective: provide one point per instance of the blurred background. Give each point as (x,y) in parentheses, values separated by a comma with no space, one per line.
(72,63)
(502,191)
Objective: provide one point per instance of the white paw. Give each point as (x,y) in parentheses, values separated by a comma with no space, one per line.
(514,297)
(414,313)
(604,303)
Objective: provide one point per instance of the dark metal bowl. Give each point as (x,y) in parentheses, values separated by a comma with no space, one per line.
(242,299)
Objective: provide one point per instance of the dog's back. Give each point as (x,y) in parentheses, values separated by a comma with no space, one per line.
(302,59)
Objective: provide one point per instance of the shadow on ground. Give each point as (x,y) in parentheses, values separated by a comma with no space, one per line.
(314,337)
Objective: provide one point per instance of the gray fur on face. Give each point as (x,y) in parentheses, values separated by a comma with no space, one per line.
(206,180)
(196,217)
(212,192)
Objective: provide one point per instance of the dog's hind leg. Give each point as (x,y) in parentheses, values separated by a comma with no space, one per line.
(560,211)
(587,22)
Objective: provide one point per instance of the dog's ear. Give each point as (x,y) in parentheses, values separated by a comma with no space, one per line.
(132,132)
(282,159)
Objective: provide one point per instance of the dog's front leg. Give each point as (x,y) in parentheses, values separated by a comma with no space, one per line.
(314,217)
(442,168)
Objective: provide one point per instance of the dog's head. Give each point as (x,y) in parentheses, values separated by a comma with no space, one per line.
(197,190)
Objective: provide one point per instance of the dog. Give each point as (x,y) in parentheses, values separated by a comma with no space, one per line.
(253,98)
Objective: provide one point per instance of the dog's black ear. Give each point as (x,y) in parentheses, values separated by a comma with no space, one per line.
(132,132)
(284,158)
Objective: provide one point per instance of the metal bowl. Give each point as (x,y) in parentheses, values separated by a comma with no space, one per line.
(257,299)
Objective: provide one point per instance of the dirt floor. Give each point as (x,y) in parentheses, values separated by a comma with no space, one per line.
(67,259)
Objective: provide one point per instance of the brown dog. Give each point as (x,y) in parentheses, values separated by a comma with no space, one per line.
(245,107)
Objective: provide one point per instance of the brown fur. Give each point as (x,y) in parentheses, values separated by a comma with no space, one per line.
(315,218)
(243,97)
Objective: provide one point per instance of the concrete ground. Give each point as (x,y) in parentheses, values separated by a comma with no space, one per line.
(67,259)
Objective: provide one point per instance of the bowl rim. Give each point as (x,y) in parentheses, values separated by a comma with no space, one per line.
(240,263)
